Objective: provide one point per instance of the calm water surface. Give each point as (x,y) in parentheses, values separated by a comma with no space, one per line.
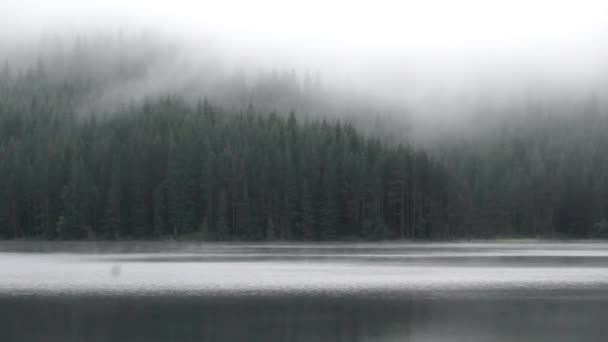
(366,292)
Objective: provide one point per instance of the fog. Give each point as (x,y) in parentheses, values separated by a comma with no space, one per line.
(434,62)
(147,200)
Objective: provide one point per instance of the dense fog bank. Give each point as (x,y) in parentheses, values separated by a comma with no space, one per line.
(172,165)
(428,120)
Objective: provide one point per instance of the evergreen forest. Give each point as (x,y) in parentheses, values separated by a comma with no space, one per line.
(175,166)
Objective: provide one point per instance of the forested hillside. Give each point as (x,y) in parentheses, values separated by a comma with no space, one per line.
(169,169)
(184,166)
(543,174)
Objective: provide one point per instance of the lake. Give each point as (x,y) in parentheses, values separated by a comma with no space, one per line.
(165,291)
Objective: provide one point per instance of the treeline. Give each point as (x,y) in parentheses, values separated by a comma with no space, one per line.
(108,70)
(540,174)
(169,169)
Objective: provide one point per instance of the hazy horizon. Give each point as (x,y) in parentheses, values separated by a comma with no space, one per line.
(434,62)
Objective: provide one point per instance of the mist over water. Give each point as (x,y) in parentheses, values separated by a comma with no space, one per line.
(300,292)
(235,269)
(309,121)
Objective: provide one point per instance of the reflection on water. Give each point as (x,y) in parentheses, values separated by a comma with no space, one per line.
(427,292)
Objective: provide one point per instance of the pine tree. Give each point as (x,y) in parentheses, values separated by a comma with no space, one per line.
(74,203)
(112,221)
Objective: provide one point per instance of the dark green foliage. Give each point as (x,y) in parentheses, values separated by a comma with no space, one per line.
(168,169)
(535,176)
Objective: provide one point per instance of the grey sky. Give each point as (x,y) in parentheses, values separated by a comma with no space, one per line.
(393,49)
